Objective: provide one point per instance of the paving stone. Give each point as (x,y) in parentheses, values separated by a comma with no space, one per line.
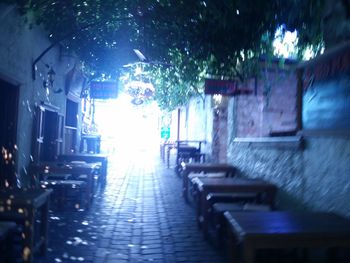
(139,216)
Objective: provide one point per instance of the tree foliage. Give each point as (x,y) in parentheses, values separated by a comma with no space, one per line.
(218,38)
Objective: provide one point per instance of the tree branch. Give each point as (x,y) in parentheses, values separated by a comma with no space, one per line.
(65,37)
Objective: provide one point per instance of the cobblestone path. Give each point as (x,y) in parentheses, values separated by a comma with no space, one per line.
(140,216)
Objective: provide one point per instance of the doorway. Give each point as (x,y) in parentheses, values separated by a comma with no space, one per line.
(49,147)
(8,133)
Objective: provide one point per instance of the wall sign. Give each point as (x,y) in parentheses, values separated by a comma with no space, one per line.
(326,98)
(103,90)
(224,87)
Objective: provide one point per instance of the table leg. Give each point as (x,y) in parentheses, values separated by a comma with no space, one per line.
(198,209)
(232,249)
(185,185)
(104,170)
(90,188)
(168,156)
(248,252)
(204,213)
(44,226)
(162,151)
(28,239)
(332,253)
(270,198)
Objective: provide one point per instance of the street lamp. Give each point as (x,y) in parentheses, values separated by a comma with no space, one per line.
(50,78)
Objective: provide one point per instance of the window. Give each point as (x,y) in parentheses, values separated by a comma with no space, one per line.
(71,113)
(271,108)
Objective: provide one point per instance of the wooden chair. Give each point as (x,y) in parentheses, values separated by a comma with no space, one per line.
(217,222)
(28,208)
(67,193)
(71,183)
(88,158)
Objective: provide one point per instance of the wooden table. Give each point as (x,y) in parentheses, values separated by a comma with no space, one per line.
(186,148)
(22,206)
(286,230)
(92,142)
(6,241)
(228,185)
(205,168)
(165,147)
(88,169)
(89,158)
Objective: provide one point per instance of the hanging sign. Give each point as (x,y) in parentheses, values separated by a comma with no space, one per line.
(103,90)
(165,133)
(326,96)
(331,64)
(223,87)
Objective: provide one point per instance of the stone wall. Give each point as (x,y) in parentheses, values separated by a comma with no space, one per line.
(196,122)
(316,177)
(311,172)
(271,105)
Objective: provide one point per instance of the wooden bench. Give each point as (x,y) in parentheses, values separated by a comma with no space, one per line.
(186,150)
(89,158)
(204,168)
(217,218)
(24,207)
(283,229)
(43,171)
(73,193)
(229,185)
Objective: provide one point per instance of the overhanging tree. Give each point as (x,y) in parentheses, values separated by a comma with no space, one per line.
(198,38)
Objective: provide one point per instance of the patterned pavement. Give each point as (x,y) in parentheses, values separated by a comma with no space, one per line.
(139,216)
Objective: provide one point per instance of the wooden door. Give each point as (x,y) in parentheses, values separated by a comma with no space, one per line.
(48,139)
(8,133)
(50,136)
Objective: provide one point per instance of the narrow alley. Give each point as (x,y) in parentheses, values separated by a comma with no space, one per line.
(113,113)
(140,216)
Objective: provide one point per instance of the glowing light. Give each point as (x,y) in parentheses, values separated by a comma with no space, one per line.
(26,253)
(285,43)
(217,99)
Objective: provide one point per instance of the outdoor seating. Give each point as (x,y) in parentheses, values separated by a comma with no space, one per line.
(206,186)
(70,181)
(90,143)
(28,208)
(165,148)
(88,158)
(186,151)
(253,231)
(217,219)
(7,230)
(67,193)
(192,170)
